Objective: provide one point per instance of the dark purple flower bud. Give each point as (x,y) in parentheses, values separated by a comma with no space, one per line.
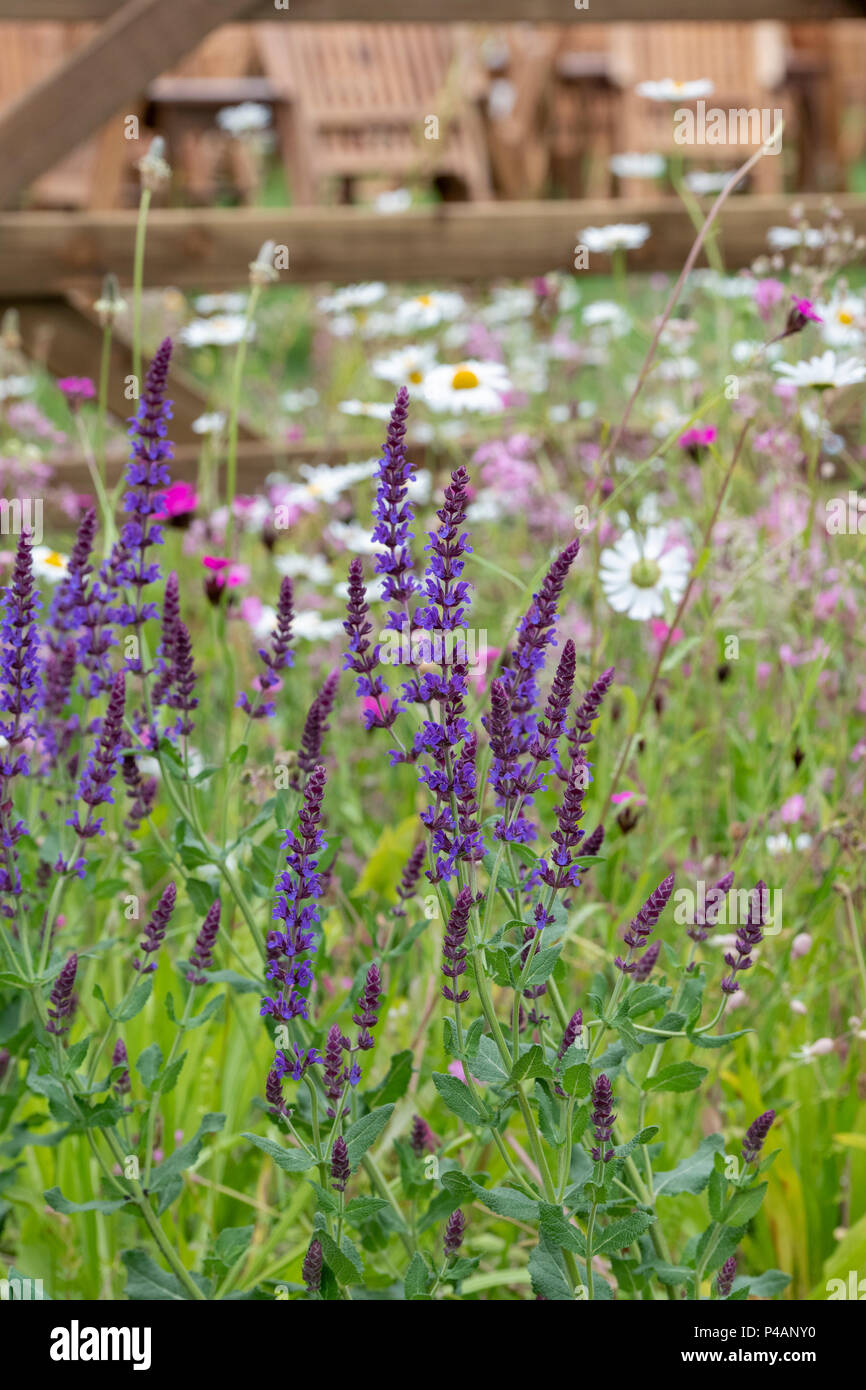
(335,1074)
(95,788)
(709,907)
(166,656)
(602,1118)
(453,947)
(561,870)
(363,658)
(725,1277)
(62,999)
(586,713)
(592,844)
(154,932)
(571,1033)
(140,790)
(275,660)
(181,680)
(641,926)
(394,514)
(755,1135)
(311,1273)
(202,954)
(315,727)
(409,880)
(119,1059)
(505,765)
(422,1139)
(65,614)
(274,1093)
(340,1169)
(368,1008)
(454,1231)
(749,935)
(644,964)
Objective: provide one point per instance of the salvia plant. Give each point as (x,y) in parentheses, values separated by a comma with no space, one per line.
(551,1111)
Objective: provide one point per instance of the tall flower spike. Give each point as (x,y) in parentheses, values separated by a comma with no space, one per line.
(68,596)
(315,727)
(641,926)
(363,658)
(202,954)
(166,655)
(20,686)
(453,946)
(61,1000)
(275,660)
(725,1277)
(368,1008)
(154,932)
(335,1073)
(562,871)
(749,935)
(274,1093)
(755,1136)
(580,732)
(295,909)
(95,788)
(707,914)
(594,842)
(421,1139)
(181,693)
(119,1059)
(147,476)
(408,884)
(394,514)
(602,1118)
(644,965)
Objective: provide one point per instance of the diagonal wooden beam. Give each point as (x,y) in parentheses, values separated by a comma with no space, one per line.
(139,41)
(65,337)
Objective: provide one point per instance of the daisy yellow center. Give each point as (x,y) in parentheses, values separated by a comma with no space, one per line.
(415,377)
(464,379)
(845,317)
(424,299)
(52,558)
(645,574)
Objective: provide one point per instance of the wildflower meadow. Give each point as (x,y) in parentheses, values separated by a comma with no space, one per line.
(436,873)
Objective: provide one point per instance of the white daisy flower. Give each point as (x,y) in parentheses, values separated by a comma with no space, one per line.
(212,422)
(314,628)
(637,166)
(786,238)
(293,401)
(407,366)
(823,372)
(638,574)
(326,482)
(605,313)
(617,236)
(668,90)
(471,385)
(704,181)
(244,119)
(224,330)
(49,564)
(844,321)
(220,303)
(393,200)
(350,297)
(778,844)
(370,410)
(314,568)
(427,310)
(677,369)
(508,303)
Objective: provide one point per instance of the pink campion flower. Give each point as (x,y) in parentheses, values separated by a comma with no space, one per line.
(793,809)
(179,500)
(223,575)
(660,630)
(697,438)
(618,798)
(804,309)
(767,295)
(77,390)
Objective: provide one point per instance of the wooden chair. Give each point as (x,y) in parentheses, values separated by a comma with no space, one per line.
(746,64)
(584,112)
(353,99)
(92,175)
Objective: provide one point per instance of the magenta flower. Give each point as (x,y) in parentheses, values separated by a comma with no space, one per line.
(767,295)
(77,390)
(695,439)
(178,500)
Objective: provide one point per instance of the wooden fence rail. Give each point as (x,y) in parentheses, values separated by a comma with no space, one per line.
(45,254)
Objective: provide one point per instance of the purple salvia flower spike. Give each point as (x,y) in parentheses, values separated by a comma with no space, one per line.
(62,1000)
(602,1118)
(202,953)
(756,1135)
(641,926)
(154,932)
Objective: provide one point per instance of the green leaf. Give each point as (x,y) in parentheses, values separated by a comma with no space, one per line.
(167,1180)
(458,1098)
(645,1136)
(146,1282)
(531,1064)
(556,1228)
(232,1242)
(132,1005)
(149,1064)
(361,1209)
(717,1039)
(765,1285)
(396,1083)
(56,1200)
(744,1205)
(693,1173)
(623,1233)
(290,1160)
(548,1277)
(680,1076)
(487,1064)
(541,966)
(417,1277)
(365,1132)
(716,1194)
(644,998)
(343,1260)
(207,1012)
